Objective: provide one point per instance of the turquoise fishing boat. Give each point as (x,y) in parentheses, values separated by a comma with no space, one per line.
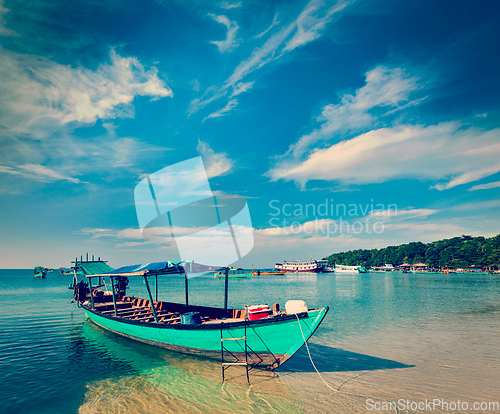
(253,335)
(40,272)
(65,270)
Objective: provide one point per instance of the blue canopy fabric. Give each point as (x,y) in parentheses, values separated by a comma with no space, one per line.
(161,268)
(142,269)
(155,266)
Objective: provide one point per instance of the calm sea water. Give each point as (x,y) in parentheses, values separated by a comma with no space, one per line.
(386,337)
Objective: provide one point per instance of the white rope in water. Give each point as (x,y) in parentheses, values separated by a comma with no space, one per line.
(309,353)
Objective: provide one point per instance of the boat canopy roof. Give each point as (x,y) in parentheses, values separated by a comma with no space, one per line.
(158,268)
(93,268)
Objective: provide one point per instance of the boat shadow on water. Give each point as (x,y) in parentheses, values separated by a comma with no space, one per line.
(329,359)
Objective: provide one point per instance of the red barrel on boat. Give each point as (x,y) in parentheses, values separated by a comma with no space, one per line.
(258,312)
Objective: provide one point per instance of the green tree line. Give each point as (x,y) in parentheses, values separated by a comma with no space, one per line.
(458,252)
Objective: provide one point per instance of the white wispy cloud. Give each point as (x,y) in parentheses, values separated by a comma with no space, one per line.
(309,25)
(37,172)
(37,94)
(274,23)
(241,87)
(41,99)
(4,31)
(302,30)
(488,186)
(448,153)
(385,88)
(216,164)
(401,213)
(277,44)
(224,111)
(227,5)
(98,232)
(66,157)
(195,84)
(231,41)
(474,174)
(132,236)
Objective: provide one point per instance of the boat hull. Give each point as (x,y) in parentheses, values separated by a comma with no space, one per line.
(348,271)
(274,339)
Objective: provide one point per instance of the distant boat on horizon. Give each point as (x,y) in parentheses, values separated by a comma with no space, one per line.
(349,269)
(66,270)
(40,272)
(268,272)
(234,273)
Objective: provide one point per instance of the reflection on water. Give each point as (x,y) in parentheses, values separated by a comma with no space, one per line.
(387,336)
(154,378)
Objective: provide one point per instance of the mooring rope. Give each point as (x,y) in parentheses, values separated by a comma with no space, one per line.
(310,358)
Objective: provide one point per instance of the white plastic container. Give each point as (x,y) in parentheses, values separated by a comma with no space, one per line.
(295,306)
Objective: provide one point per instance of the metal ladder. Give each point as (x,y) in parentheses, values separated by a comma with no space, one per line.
(237,361)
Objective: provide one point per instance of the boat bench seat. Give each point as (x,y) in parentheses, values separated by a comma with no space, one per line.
(127,310)
(101,307)
(162,317)
(238,314)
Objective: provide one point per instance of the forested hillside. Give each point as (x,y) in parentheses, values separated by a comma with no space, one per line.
(458,252)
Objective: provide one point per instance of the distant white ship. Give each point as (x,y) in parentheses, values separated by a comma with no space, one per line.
(298,266)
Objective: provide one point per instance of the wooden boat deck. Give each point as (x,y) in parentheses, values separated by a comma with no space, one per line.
(136,309)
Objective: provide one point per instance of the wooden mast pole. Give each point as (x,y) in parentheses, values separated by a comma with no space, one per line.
(186,284)
(226,289)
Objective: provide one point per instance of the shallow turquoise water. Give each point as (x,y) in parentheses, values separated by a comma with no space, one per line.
(53,360)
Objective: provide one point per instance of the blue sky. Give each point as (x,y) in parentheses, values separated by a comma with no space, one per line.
(386,110)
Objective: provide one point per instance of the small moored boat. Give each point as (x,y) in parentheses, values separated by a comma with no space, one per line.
(267,272)
(272,336)
(40,272)
(349,269)
(234,274)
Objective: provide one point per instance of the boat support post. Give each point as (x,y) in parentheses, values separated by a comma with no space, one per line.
(226,289)
(186,283)
(91,294)
(156,287)
(113,292)
(76,278)
(150,298)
